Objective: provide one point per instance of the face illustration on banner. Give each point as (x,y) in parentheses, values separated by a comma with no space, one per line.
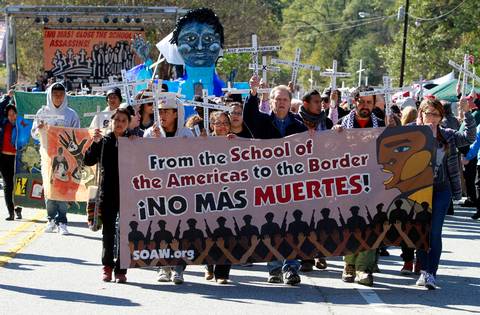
(199,44)
(406,156)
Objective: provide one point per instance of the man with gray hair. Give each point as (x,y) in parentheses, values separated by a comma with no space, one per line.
(280,123)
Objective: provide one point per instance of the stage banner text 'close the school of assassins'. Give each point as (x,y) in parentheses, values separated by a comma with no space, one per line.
(88,54)
(220,201)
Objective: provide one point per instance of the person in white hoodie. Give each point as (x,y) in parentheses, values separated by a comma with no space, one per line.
(57,104)
(171,125)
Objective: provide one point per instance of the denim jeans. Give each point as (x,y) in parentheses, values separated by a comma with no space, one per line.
(277,266)
(57,211)
(430,260)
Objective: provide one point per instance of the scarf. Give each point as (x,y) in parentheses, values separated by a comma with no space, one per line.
(348,121)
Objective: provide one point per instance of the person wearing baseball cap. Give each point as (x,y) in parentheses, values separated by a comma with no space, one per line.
(114,99)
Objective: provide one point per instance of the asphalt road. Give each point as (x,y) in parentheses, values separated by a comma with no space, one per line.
(53,274)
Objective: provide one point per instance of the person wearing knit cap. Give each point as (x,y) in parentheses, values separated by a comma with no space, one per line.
(114,99)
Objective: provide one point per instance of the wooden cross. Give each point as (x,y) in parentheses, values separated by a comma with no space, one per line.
(388,91)
(295,65)
(206,105)
(44,117)
(265,68)
(465,72)
(359,71)
(233,90)
(333,75)
(97,114)
(254,50)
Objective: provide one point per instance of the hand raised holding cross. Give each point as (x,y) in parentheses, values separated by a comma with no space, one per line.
(254,84)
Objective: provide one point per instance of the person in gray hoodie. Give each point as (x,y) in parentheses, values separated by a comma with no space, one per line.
(57,104)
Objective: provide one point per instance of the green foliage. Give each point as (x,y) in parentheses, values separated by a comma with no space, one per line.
(323,29)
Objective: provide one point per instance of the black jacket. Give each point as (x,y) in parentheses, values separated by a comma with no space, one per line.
(110,198)
(262,125)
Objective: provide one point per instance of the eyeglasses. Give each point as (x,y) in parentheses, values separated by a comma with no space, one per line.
(432,114)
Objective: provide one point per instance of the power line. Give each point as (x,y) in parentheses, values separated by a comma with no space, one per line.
(440,16)
(356,25)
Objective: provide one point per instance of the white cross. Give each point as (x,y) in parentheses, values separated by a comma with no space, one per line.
(98,114)
(465,72)
(206,105)
(43,117)
(295,65)
(388,91)
(254,50)
(311,80)
(233,90)
(359,71)
(265,68)
(333,75)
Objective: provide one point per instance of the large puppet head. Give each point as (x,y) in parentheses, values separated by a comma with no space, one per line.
(199,37)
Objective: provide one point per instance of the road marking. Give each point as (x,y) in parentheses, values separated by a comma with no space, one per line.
(12,252)
(21,228)
(374,300)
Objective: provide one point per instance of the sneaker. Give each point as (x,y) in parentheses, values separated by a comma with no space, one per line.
(430,281)
(18,212)
(306,267)
(476,216)
(120,278)
(164,274)
(208,275)
(407,268)
(467,203)
(291,277)
(178,277)
(418,267)
(348,274)
(364,278)
(275,278)
(62,229)
(222,281)
(321,263)
(51,227)
(107,273)
(421,280)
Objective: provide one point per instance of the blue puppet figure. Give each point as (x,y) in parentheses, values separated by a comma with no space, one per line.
(199,39)
(141,71)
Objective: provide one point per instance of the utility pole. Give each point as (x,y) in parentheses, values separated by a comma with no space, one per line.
(404,45)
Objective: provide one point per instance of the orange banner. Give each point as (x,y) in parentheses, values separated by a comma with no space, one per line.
(93,55)
(65,178)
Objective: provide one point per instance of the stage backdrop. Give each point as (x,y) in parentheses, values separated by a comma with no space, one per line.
(220,201)
(28,190)
(93,55)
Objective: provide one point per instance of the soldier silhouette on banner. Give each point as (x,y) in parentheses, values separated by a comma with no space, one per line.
(162,234)
(135,236)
